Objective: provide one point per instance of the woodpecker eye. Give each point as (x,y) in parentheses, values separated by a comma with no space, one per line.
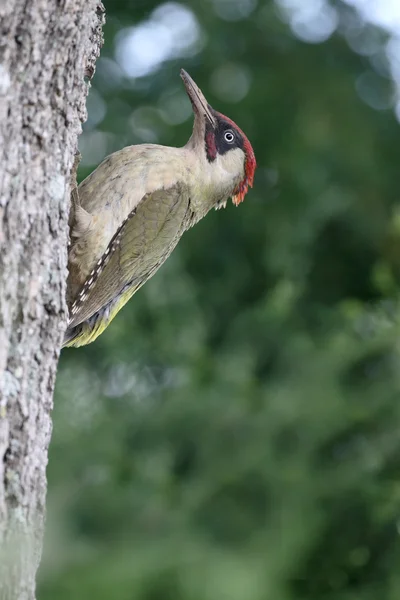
(229,137)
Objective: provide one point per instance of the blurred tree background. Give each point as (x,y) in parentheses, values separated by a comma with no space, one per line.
(235,433)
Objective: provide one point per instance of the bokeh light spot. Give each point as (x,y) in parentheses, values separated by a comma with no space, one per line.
(175,107)
(373,90)
(96,108)
(94,146)
(312,21)
(172,31)
(234,10)
(231,82)
(144,122)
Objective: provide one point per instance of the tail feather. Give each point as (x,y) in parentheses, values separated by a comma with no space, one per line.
(86,332)
(71,335)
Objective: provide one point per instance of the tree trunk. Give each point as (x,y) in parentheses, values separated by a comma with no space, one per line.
(47,47)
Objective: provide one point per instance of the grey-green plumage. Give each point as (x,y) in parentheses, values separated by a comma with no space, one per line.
(141,245)
(130,213)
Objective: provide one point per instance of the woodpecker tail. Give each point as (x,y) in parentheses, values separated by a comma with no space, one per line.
(72,335)
(86,332)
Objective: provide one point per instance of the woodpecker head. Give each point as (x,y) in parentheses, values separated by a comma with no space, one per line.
(222,141)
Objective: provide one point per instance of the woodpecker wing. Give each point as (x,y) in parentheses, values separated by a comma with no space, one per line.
(139,247)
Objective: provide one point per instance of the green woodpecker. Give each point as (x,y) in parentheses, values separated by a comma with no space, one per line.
(130,213)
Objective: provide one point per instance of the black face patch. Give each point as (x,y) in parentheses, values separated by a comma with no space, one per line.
(223,138)
(227,137)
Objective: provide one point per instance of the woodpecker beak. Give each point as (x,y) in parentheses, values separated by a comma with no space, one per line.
(200,105)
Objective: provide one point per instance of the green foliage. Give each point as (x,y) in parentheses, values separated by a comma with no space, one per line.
(235,432)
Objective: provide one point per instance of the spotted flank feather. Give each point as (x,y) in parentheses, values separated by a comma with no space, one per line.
(100,265)
(89,330)
(141,245)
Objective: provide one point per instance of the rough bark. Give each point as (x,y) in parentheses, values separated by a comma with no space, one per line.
(47,47)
